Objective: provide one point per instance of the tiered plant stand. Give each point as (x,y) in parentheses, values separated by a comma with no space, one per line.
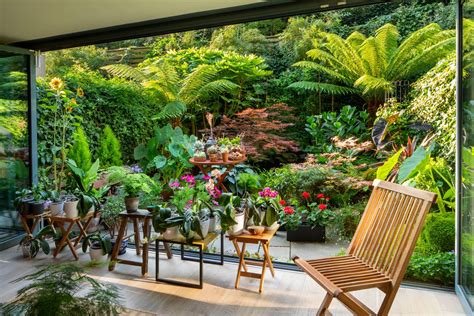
(264,240)
(201,245)
(206,166)
(61,221)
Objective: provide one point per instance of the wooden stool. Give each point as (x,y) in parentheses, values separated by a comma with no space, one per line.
(35,218)
(135,217)
(264,241)
(76,221)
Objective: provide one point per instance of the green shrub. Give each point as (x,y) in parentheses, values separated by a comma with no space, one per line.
(347,219)
(80,151)
(109,149)
(436,268)
(281,179)
(438,234)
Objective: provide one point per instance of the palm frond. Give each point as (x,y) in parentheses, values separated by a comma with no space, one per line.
(125,71)
(322,87)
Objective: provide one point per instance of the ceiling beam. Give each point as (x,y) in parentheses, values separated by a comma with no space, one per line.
(248,13)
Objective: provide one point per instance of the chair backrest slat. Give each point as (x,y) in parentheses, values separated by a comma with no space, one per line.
(390,226)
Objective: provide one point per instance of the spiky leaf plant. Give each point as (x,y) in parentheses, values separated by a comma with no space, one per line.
(63,289)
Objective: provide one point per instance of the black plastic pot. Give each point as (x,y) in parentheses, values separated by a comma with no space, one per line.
(123,247)
(36,207)
(307,233)
(24,206)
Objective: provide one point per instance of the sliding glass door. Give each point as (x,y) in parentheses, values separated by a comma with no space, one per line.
(465,224)
(16,100)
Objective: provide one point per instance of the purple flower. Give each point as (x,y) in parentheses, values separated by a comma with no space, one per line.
(215,202)
(174,184)
(136,169)
(206,177)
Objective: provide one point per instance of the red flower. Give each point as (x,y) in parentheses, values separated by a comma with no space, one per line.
(327,198)
(282,202)
(289,210)
(322,207)
(305,195)
(320,196)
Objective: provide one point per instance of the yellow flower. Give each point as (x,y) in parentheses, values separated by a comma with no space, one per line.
(69,109)
(56,84)
(80,92)
(73,101)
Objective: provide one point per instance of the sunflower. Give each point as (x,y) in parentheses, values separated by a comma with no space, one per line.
(80,92)
(56,84)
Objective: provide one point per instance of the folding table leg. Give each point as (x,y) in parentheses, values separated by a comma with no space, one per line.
(64,239)
(266,251)
(239,253)
(241,264)
(264,266)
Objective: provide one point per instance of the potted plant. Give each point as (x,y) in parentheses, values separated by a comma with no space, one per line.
(70,206)
(37,204)
(32,243)
(100,246)
(56,206)
(315,216)
(21,202)
(231,216)
(110,212)
(269,203)
(225,153)
(204,221)
(213,152)
(199,156)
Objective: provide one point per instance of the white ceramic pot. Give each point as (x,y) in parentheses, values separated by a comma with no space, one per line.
(56,208)
(214,224)
(97,254)
(204,227)
(238,228)
(70,209)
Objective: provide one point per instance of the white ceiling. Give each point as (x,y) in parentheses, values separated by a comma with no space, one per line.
(24,20)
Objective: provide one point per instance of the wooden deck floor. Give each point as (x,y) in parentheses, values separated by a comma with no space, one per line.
(289,293)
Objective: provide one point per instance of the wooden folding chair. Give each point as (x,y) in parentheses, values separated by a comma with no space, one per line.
(379,252)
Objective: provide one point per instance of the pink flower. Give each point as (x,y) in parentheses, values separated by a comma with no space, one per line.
(305,195)
(206,177)
(174,184)
(190,202)
(322,207)
(215,202)
(267,192)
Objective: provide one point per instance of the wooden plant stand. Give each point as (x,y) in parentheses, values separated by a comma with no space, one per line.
(264,241)
(206,166)
(136,217)
(73,243)
(35,220)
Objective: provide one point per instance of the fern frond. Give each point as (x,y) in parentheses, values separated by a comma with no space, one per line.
(370,52)
(125,71)
(323,69)
(371,85)
(322,87)
(355,39)
(171,110)
(387,38)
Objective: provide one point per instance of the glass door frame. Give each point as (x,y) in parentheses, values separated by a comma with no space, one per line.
(32,123)
(459,134)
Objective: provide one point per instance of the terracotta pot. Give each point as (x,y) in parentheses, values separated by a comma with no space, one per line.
(213,157)
(131,204)
(225,157)
(199,159)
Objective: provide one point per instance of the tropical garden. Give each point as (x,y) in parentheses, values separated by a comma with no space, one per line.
(309,109)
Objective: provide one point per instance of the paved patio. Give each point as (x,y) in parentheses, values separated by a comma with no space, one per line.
(289,293)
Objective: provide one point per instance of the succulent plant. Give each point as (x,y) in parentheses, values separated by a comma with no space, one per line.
(213,150)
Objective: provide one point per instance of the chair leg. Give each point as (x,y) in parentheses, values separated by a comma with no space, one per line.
(323,309)
(356,306)
(387,302)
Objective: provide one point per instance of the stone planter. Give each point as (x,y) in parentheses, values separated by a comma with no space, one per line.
(131,204)
(56,208)
(307,233)
(70,208)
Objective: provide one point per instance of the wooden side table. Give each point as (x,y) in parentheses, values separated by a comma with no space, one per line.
(60,221)
(264,241)
(35,218)
(136,217)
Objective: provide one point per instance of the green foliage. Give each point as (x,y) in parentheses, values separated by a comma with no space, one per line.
(124,106)
(372,64)
(438,234)
(109,149)
(167,153)
(97,239)
(384,170)
(63,289)
(347,219)
(60,62)
(434,103)
(435,268)
(322,128)
(240,39)
(80,151)
(133,183)
(110,211)
(37,241)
